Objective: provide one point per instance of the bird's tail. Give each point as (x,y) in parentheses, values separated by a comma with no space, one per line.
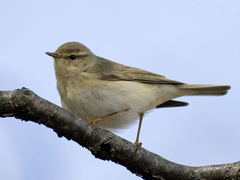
(205,90)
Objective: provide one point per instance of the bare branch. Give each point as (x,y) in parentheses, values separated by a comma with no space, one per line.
(26,105)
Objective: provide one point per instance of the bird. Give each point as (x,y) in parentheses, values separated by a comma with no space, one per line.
(114,96)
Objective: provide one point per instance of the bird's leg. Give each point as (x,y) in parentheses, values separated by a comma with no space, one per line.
(139,128)
(95,121)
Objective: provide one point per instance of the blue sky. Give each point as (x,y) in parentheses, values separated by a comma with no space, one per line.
(192,41)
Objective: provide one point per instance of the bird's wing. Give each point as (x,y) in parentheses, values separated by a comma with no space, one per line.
(111,71)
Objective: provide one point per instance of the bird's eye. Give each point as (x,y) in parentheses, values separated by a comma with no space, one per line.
(72,57)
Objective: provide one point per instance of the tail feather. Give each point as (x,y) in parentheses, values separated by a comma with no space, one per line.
(172,103)
(205,90)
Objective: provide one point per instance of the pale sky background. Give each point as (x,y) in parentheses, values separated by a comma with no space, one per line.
(192,41)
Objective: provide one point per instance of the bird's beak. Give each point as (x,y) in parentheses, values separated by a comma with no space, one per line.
(54,55)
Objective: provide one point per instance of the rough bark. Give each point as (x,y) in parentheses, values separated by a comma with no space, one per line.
(26,105)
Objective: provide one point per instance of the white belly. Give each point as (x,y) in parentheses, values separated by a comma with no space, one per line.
(99,100)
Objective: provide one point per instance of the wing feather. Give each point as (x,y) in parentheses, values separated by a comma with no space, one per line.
(111,71)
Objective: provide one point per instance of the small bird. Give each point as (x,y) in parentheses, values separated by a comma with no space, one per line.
(113,96)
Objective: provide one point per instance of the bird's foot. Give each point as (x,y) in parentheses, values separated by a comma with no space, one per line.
(138,143)
(95,121)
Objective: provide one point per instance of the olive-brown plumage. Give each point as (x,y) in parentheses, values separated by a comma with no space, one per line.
(92,87)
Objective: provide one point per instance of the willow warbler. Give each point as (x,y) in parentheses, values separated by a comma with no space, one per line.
(114,96)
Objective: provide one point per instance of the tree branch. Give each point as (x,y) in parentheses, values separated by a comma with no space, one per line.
(26,105)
